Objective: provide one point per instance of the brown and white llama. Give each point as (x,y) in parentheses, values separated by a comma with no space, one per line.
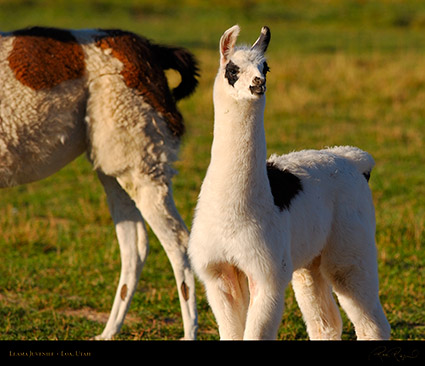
(64,92)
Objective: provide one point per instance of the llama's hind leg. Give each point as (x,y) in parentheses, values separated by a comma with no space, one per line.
(154,199)
(131,141)
(314,297)
(352,270)
(133,241)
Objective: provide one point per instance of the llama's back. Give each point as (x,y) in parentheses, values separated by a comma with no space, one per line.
(333,187)
(49,61)
(327,160)
(360,158)
(112,76)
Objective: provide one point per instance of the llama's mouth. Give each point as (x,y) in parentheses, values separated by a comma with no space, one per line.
(257,89)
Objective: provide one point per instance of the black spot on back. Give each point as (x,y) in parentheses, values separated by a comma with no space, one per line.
(284,185)
(232,73)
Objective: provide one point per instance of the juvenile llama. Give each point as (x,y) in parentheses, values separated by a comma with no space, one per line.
(64,92)
(307,215)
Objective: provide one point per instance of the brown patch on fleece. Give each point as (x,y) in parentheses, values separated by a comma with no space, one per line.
(185,291)
(42,58)
(143,71)
(123,293)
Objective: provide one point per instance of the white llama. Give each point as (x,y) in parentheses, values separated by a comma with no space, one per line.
(307,215)
(64,92)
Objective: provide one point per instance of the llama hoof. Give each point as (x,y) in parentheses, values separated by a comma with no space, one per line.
(101,337)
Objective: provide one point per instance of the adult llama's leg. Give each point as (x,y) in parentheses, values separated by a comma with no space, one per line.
(133,240)
(155,201)
(130,141)
(314,297)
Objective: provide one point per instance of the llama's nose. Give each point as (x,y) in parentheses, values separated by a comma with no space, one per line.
(257,81)
(258,86)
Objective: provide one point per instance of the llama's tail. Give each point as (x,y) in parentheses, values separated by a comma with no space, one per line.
(184,63)
(361,159)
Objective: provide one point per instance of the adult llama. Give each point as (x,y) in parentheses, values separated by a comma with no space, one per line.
(103,92)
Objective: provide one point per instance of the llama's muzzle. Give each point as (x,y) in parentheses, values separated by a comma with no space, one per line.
(258,87)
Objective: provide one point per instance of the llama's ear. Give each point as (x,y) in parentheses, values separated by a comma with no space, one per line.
(263,41)
(227,43)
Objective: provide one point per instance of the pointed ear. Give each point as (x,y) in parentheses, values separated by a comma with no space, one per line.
(263,41)
(227,43)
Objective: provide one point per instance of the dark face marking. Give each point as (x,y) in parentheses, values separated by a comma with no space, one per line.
(367,176)
(266,68)
(284,186)
(232,73)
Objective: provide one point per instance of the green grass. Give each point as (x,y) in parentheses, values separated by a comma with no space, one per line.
(342,72)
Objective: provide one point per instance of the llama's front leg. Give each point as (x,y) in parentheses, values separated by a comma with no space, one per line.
(267,298)
(227,292)
(133,240)
(155,201)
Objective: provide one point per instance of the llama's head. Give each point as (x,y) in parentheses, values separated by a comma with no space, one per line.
(242,73)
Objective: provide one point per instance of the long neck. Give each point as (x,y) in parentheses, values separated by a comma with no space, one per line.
(238,157)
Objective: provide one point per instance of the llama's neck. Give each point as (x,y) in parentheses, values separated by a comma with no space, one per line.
(237,172)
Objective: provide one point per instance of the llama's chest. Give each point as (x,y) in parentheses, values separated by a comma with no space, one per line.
(234,235)
(234,216)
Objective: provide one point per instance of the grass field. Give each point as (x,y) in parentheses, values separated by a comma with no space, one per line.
(342,72)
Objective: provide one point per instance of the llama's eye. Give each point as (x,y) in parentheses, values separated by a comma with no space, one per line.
(266,68)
